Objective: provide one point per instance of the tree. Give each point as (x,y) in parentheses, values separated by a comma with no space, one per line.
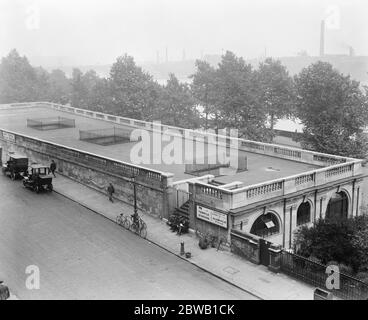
(79,91)
(203,88)
(333,110)
(42,84)
(341,240)
(134,93)
(178,106)
(18,79)
(276,89)
(60,87)
(238,99)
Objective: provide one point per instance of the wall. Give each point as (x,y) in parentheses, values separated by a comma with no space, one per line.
(96,172)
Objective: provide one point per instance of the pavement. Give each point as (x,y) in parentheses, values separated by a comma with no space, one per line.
(254,279)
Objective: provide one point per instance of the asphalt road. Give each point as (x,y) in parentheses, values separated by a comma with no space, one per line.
(81,255)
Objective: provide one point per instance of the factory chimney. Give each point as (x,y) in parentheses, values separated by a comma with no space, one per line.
(322,39)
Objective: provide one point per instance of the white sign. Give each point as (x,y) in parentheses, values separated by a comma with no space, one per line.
(9,136)
(212,216)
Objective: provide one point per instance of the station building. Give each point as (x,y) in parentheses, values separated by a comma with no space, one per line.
(274,190)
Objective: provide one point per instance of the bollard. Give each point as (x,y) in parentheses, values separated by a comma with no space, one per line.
(182,251)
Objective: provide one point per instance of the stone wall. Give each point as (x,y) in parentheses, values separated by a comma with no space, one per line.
(96,171)
(245,245)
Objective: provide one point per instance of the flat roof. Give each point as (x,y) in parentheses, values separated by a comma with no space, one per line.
(261,168)
(15,155)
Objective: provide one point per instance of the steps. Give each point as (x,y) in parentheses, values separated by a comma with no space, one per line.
(183,210)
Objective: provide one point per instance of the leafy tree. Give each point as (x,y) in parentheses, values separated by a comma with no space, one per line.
(42,84)
(134,93)
(333,110)
(178,105)
(344,241)
(276,89)
(18,79)
(203,88)
(238,99)
(79,90)
(59,87)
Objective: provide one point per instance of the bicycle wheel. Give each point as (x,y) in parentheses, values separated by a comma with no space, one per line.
(143,232)
(126,223)
(118,220)
(133,227)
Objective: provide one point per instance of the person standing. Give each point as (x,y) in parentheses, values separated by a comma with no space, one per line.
(110,191)
(53,168)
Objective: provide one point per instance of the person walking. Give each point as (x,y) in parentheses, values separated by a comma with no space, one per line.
(53,168)
(110,191)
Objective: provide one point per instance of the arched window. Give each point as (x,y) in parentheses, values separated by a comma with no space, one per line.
(303,214)
(266,225)
(337,207)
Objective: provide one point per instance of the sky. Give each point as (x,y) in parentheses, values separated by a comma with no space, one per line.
(90,32)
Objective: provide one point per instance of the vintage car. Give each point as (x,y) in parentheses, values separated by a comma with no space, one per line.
(16,166)
(38,178)
(4,291)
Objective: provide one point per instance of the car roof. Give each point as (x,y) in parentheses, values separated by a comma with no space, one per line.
(17,155)
(38,166)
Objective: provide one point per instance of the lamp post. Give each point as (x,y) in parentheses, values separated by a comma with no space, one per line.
(135,194)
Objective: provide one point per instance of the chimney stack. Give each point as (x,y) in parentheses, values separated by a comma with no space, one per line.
(322,39)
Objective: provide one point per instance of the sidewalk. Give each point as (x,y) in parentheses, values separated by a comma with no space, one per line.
(255,279)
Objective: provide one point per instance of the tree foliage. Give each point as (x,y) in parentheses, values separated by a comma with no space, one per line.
(344,241)
(203,88)
(333,109)
(277,92)
(237,99)
(178,107)
(133,92)
(18,79)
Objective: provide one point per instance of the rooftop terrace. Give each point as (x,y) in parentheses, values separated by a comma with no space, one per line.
(261,167)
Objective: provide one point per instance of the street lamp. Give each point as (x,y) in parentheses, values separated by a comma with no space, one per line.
(133,181)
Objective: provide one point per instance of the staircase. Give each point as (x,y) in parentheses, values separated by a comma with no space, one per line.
(183,210)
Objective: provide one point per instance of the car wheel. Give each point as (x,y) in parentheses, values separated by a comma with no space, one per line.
(50,187)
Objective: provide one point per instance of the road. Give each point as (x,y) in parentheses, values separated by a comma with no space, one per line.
(81,255)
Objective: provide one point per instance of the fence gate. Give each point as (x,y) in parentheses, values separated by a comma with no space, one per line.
(264,254)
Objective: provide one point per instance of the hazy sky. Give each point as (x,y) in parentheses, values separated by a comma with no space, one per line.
(97,31)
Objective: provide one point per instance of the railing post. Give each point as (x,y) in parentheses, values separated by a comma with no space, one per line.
(275,259)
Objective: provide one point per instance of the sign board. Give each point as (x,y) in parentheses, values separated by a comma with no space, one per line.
(212,216)
(8,136)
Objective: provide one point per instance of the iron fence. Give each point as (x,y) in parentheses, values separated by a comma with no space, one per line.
(50,123)
(106,136)
(315,274)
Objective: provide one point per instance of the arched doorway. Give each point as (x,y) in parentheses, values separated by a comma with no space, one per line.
(266,225)
(303,214)
(337,207)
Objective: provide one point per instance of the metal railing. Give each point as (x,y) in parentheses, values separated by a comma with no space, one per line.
(314,273)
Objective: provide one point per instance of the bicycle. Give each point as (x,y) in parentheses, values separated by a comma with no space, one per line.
(123,220)
(138,226)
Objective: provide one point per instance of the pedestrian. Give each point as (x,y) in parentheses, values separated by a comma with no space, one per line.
(53,167)
(110,191)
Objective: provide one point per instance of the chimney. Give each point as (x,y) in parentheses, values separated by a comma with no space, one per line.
(322,39)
